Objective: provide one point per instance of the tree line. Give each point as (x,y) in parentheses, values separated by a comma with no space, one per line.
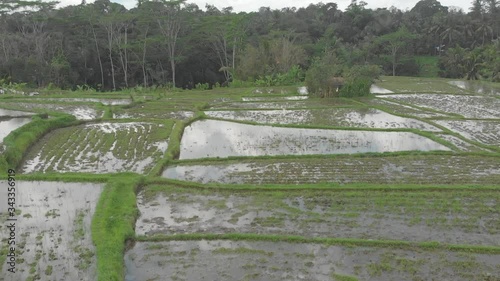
(103,45)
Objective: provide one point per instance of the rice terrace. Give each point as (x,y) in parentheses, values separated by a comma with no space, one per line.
(319,191)
(168,142)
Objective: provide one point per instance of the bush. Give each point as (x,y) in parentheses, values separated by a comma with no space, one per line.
(356,87)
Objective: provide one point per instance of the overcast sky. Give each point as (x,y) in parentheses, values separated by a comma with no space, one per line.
(254,5)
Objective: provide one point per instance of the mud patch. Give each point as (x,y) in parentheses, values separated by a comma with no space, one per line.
(100,148)
(211,138)
(487,132)
(467,106)
(431,169)
(53,235)
(242,260)
(336,117)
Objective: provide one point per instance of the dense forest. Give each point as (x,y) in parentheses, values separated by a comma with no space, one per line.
(105,46)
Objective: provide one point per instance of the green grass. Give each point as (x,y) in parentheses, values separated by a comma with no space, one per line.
(113,224)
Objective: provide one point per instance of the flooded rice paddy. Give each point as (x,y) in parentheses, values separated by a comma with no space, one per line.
(242,260)
(431,169)
(100,148)
(179,115)
(486,132)
(356,214)
(53,235)
(81,112)
(96,100)
(466,106)
(274,98)
(336,117)
(212,138)
(342,214)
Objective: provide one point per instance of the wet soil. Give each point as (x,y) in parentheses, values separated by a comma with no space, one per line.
(53,236)
(240,260)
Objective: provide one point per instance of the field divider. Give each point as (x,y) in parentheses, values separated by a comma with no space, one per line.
(350,242)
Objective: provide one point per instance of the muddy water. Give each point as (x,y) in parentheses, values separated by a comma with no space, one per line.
(487,132)
(374,89)
(466,106)
(53,230)
(268,261)
(14,113)
(321,215)
(461,144)
(99,148)
(9,125)
(476,87)
(302,90)
(81,112)
(383,170)
(337,117)
(211,138)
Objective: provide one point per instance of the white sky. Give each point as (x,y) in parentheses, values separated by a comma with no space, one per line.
(254,5)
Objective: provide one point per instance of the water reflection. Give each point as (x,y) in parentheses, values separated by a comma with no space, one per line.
(339,117)
(211,138)
(476,87)
(7,126)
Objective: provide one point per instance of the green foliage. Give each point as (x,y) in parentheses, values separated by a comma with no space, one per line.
(356,87)
(478,63)
(202,86)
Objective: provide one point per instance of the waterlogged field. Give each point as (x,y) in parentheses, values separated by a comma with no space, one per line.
(100,148)
(336,117)
(53,238)
(464,105)
(281,195)
(254,260)
(456,216)
(212,138)
(418,169)
(81,111)
(486,132)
